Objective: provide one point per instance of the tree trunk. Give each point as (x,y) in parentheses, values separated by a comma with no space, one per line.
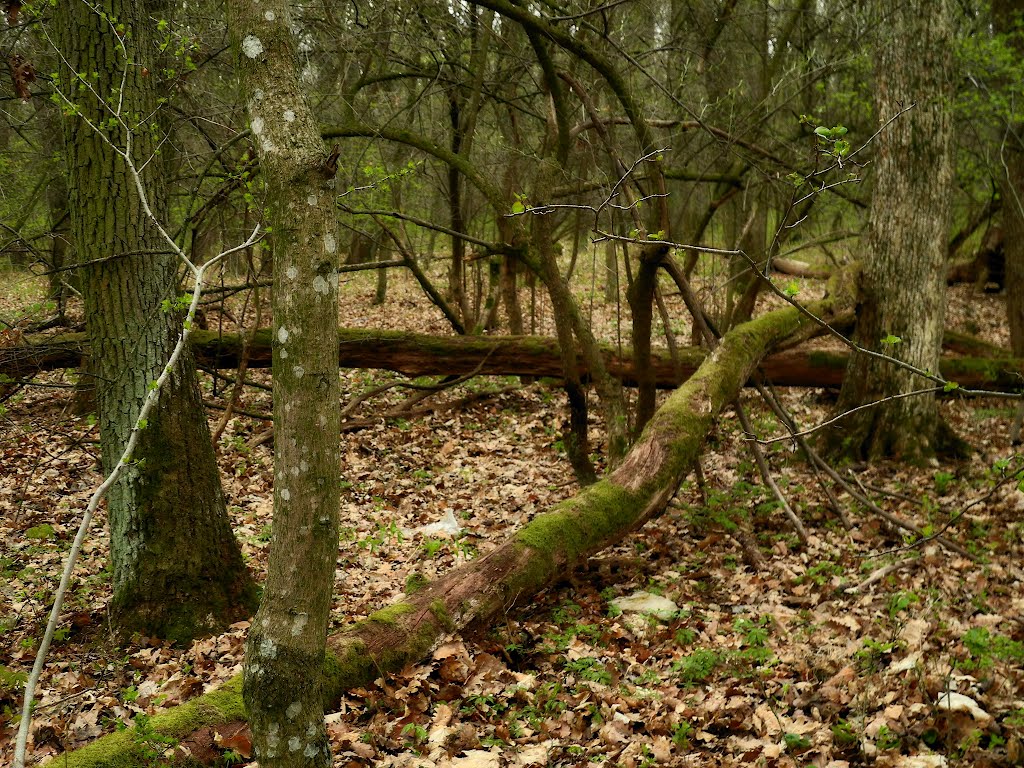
(902,289)
(546,549)
(510,294)
(177,569)
(285,648)
(575,435)
(982,366)
(380,255)
(641,302)
(457,267)
(1007,16)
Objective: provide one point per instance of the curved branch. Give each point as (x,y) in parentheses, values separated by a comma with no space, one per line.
(488,188)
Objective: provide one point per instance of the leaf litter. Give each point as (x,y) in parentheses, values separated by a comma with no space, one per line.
(775,654)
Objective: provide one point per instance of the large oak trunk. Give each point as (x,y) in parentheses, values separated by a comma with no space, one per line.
(903,286)
(177,569)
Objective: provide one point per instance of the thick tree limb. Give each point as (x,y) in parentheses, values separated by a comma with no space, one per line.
(547,548)
(420,355)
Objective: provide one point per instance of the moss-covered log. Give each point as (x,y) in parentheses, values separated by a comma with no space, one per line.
(421,355)
(547,548)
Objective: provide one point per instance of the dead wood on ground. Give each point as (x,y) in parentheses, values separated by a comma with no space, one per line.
(422,355)
(548,548)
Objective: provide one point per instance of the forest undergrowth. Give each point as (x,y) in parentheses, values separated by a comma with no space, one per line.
(710,637)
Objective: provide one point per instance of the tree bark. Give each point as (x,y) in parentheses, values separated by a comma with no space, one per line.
(576,434)
(546,549)
(285,648)
(641,301)
(979,366)
(1007,16)
(902,287)
(177,569)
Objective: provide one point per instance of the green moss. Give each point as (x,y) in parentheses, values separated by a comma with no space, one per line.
(830,360)
(118,750)
(44,531)
(334,677)
(414,647)
(539,345)
(350,668)
(353,666)
(971,345)
(125,749)
(440,611)
(414,582)
(73,340)
(390,614)
(221,705)
(988,370)
(576,525)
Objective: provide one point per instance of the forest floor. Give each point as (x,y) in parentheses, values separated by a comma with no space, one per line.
(852,650)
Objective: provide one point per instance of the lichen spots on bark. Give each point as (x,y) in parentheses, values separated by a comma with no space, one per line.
(252,46)
(280,689)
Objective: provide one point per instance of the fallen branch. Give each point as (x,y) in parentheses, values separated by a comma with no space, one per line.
(544,550)
(421,355)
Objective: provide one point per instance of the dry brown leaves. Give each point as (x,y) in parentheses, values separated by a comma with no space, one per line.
(780,665)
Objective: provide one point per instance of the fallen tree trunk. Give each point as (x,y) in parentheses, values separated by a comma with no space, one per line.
(547,548)
(798,268)
(415,354)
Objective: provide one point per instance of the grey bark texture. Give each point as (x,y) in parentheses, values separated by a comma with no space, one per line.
(286,644)
(177,569)
(902,287)
(1008,16)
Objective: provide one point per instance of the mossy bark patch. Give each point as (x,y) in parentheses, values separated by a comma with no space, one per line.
(421,355)
(131,748)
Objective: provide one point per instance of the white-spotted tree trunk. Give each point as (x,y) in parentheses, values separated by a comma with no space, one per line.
(285,650)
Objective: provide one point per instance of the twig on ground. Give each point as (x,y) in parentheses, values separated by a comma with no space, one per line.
(768,395)
(881,573)
(766,475)
(239,411)
(232,380)
(862,497)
